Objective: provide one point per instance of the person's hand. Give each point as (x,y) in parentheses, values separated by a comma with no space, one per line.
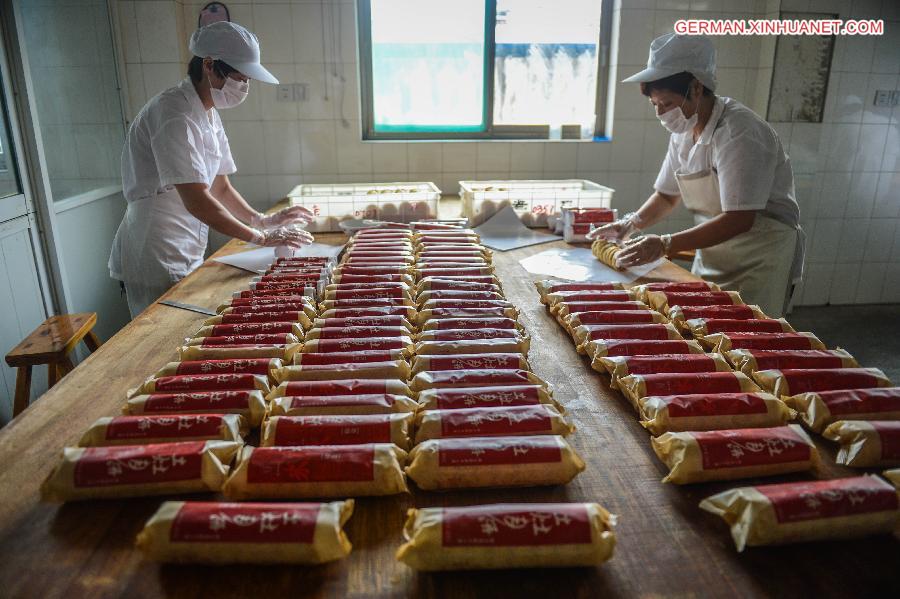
(641,250)
(286,216)
(619,230)
(294,237)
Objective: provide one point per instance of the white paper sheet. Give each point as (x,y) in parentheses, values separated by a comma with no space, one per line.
(579,264)
(258,259)
(504,231)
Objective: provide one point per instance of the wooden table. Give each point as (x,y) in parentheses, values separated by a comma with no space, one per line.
(666,545)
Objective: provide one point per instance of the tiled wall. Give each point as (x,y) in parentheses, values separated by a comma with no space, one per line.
(845,166)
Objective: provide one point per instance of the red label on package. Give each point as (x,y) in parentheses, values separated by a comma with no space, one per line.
(769,341)
(588,307)
(364,293)
(714,404)
(261,339)
(252,328)
(738,448)
(594,295)
(121,428)
(474,422)
(806,380)
(862,401)
(219,522)
(340,387)
(372,321)
(706,298)
(362,357)
(333,430)
(271,318)
(471,323)
(475,362)
(616,316)
(244,365)
(474,378)
(361,332)
(486,397)
(646,348)
(719,325)
(670,363)
(466,334)
(375,311)
(732,312)
(581,287)
(795,502)
(205,382)
(384,400)
(277,308)
(696,286)
(139,464)
(798,358)
(372,343)
(311,464)
(626,331)
(519,525)
(694,382)
(889,435)
(214,401)
(491,452)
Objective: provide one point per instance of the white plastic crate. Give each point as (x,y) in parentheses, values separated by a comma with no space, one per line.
(397,202)
(533,200)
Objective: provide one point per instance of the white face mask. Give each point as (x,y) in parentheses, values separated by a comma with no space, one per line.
(675,121)
(232,93)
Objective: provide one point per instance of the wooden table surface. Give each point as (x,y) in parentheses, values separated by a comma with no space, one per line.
(666,545)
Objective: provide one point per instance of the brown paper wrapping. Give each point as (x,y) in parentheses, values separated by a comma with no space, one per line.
(370,321)
(425,316)
(178,427)
(341,405)
(440,379)
(229,352)
(547,286)
(586,345)
(253,411)
(860,444)
(814,412)
(329,542)
(319,345)
(171,368)
(660,302)
(744,360)
(425,547)
(777,382)
(676,313)
(515,361)
(473,346)
(341,430)
(617,366)
(407,312)
(284,339)
(396,369)
(698,326)
(391,387)
(720,342)
(634,386)
(487,397)
(655,416)
(272,304)
(249,329)
(599,349)
(149,386)
(643,290)
(490,422)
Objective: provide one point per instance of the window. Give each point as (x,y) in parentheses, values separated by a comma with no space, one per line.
(483,69)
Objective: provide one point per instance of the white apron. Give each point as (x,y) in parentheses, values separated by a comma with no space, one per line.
(762,264)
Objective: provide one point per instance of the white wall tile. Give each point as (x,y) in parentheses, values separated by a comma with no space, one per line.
(354,156)
(886,57)
(460,156)
(248,146)
(880,240)
(308,33)
(318,152)
(834,196)
(841,147)
(137,94)
(424,157)
(492,156)
(655,144)
(870,151)
(527,157)
(825,240)
(272,24)
(887,197)
(157,31)
(850,97)
(635,34)
(871,283)
(844,283)
(592,156)
(389,157)
(269,107)
(816,284)
(891,160)
(861,197)
(253,188)
(282,151)
(561,156)
(853,240)
(320,100)
(161,76)
(891,291)
(627,146)
(129,32)
(878,81)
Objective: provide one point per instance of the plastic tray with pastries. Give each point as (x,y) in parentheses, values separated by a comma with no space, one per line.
(139,470)
(252,328)
(392,369)
(673,286)
(342,405)
(724,342)
(819,409)
(319,346)
(249,533)
(703,456)
(681,314)
(260,366)
(798,512)
(540,419)
(358,278)
(547,286)
(251,405)
(636,386)
(188,383)
(341,387)
(664,301)
(527,535)
(601,348)
(794,381)
(439,283)
(497,322)
(606,251)
(498,361)
(317,471)
(865,443)
(348,357)
(350,429)
(700,327)
(397,320)
(356,332)
(464,294)
(457,398)
(473,346)
(712,411)
(425,316)
(622,366)
(284,352)
(586,334)
(260,317)
(362,302)
(167,428)
(407,312)
(590,295)
(749,361)
(479,462)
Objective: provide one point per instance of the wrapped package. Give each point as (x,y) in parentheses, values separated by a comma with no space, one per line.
(436,283)
(464,303)
(701,327)
(485,397)
(794,381)
(260,317)
(674,286)
(497,322)
(497,377)
(306,307)
(407,312)
(261,339)
(622,366)
(477,462)
(525,535)
(322,346)
(541,419)
(703,456)
(601,348)
(396,321)
(724,342)
(681,314)
(239,350)
(261,366)
(473,346)
(393,369)
(637,386)
(866,443)
(807,511)
(134,430)
(139,470)
(818,410)
(338,430)
(342,405)
(382,285)
(712,411)
(749,361)
(203,382)
(249,533)
(251,405)
(348,357)
(426,316)
(341,387)
(370,293)
(432,284)
(564,309)
(586,335)
(317,471)
(253,328)
(470,334)
(615,295)
(380,302)
(664,301)
(426,296)
(547,286)
(374,278)
(510,361)
(637,316)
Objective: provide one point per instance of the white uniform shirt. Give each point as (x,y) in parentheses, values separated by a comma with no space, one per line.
(174,139)
(753,170)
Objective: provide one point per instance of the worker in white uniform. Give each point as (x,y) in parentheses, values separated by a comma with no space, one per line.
(175,168)
(728,167)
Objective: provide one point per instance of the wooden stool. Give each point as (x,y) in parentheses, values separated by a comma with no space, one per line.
(50,344)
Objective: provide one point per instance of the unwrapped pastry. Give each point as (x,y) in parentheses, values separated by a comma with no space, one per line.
(866,444)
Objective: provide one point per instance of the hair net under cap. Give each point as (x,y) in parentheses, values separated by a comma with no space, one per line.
(232,44)
(671,54)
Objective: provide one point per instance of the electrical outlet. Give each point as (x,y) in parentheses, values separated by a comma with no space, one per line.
(300,92)
(882,97)
(284,93)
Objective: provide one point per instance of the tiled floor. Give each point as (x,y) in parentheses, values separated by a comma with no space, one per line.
(870,333)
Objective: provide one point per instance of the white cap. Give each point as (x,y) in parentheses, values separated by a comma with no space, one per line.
(671,54)
(233,45)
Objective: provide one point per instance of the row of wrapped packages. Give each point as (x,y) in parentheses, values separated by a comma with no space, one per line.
(718,383)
